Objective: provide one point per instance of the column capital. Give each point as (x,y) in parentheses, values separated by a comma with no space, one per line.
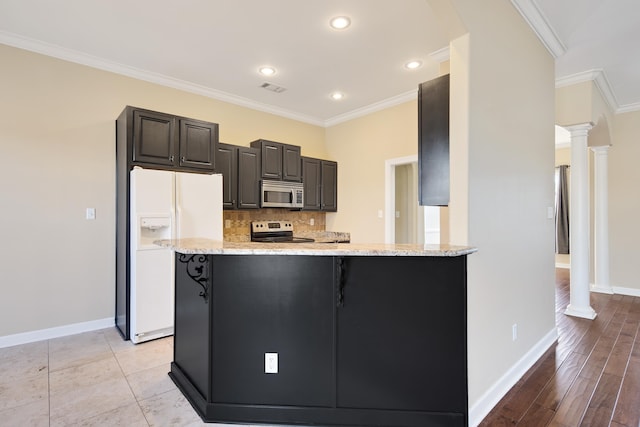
(581,129)
(600,149)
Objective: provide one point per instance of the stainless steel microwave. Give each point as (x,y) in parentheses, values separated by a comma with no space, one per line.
(281,194)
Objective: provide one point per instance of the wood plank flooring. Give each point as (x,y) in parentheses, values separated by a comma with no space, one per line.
(590,377)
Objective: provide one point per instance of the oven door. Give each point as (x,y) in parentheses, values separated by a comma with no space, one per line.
(276,194)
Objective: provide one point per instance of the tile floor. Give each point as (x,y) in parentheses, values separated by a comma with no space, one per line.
(91,379)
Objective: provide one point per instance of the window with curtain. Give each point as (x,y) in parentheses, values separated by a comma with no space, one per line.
(562,209)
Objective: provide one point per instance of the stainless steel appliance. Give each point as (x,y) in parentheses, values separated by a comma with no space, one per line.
(280,194)
(275,232)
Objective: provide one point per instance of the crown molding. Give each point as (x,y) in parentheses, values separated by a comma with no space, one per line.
(70,55)
(441,55)
(628,108)
(372,108)
(540,25)
(598,77)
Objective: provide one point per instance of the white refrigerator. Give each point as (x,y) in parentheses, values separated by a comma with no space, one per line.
(165,205)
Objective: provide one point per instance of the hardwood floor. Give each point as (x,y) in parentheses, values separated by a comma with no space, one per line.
(590,377)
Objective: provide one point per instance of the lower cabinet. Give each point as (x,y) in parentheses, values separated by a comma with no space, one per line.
(360,341)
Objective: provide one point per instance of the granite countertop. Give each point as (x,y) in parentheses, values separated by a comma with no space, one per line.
(216,247)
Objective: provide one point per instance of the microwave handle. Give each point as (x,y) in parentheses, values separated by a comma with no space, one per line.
(293,195)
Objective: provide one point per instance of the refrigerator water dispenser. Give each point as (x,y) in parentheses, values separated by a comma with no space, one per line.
(152,228)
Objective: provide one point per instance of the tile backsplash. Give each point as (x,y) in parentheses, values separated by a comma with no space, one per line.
(240,220)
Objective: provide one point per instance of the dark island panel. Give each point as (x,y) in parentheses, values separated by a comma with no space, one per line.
(376,341)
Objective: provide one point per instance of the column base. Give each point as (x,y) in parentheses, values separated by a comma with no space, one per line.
(602,289)
(584,312)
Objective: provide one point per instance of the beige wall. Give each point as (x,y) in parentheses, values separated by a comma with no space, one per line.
(361,147)
(624,203)
(57,130)
(503,128)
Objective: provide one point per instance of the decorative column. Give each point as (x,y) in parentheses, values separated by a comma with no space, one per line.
(579,304)
(601,219)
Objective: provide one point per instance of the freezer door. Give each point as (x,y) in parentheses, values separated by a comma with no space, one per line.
(198,205)
(152,294)
(152,207)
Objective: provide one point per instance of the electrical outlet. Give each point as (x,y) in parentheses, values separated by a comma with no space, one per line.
(227,223)
(91,213)
(514,332)
(312,221)
(550,212)
(271,363)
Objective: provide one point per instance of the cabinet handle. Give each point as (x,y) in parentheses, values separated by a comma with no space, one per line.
(182,159)
(340,267)
(171,158)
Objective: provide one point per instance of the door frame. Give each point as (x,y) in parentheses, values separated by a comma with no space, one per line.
(390,194)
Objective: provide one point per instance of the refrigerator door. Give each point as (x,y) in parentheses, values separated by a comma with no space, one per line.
(151,267)
(198,206)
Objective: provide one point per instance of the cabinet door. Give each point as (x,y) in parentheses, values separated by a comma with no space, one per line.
(273,304)
(227,165)
(329,186)
(198,144)
(271,158)
(248,178)
(311,182)
(291,163)
(402,334)
(433,142)
(154,138)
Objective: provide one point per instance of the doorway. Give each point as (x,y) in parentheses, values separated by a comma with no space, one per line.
(405,220)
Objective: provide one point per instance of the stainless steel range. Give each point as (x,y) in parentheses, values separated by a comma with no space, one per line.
(275,232)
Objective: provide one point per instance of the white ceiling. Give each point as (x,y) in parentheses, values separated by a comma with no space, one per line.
(215,47)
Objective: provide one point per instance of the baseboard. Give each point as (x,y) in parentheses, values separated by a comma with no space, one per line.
(59,331)
(601,289)
(626,291)
(562,265)
(491,397)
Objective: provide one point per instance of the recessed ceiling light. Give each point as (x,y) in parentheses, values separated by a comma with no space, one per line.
(412,65)
(267,71)
(336,96)
(340,22)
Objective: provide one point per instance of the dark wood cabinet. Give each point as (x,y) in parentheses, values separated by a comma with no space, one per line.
(154,138)
(329,188)
(320,179)
(198,141)
(248,178)
(227,166)
(280,162)
(174,142)
(355,345)
(433,142)
(240,169)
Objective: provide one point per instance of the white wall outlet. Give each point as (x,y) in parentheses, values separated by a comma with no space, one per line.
(514,331)
(91,213)
(227,223)
(380,214)
(312,221)
(271,363)
(550,212)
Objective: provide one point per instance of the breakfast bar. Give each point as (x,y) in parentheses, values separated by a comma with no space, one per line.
(327,334)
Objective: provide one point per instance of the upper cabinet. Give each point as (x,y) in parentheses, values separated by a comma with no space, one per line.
(280,162)
(433,142)
(160,139)
(240,169)
(320,179)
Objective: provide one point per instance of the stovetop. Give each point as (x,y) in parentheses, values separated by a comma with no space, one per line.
(274,232)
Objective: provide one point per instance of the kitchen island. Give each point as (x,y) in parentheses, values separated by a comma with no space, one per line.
(321,333)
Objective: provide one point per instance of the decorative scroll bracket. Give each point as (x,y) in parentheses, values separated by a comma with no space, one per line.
(198,271)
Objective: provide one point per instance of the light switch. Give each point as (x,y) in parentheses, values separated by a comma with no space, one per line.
(380,214)
(91,213)
(550,213)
